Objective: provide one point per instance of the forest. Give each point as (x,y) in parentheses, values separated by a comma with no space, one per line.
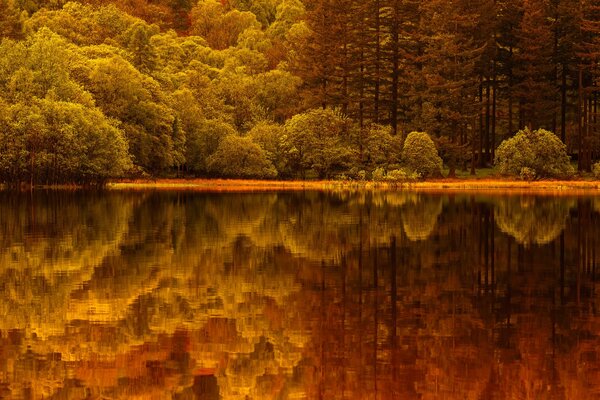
(297,89)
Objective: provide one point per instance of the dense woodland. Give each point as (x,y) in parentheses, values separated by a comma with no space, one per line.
(287,88)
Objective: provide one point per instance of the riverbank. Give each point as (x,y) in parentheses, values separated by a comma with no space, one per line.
(494,185)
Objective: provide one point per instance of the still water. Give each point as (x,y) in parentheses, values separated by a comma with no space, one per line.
(306,295)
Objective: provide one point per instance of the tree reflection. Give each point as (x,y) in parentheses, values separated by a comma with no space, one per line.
(532,220)
(420,216)
(296,295)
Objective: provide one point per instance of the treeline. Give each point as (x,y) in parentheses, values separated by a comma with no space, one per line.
(284,88)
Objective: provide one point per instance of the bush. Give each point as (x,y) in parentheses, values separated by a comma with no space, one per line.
(395,175)
(527,174)
(379,147)
(540,151)
(420,155)
(596,170)
(318,140)
(402,175)
(378,175)
(239,157)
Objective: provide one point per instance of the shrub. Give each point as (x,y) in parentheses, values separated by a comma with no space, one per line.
(402,175)
(318,140)
(395,176)
(420,155)
(540,151)
(239,157)
(270,137)
(596,170)
(379,147)
(378,175)
(527,174)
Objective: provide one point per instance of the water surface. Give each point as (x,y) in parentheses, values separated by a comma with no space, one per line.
(306,295)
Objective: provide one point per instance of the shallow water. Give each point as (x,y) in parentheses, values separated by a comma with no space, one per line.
(307,295)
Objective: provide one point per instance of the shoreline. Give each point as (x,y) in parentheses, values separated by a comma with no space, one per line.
(495,186)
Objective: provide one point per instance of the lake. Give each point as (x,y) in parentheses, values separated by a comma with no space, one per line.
(298,295)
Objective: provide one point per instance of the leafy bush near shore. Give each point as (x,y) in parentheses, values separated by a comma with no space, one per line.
(420,155)
(399,175)
(596,170)
(239,157)
(534,154)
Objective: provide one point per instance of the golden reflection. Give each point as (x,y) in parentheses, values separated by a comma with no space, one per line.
(296,296)
(420,216)
(532,220)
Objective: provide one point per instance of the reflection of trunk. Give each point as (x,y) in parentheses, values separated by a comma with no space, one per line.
(322,328)
(562,268)
(486,248)
(375,319)
(394,293)
(342,351)
(360,295)
(579,249)
(394,300)
(492,249)
(508,281)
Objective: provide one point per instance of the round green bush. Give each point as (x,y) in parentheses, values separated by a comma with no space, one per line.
(239,157)
(540,152)
(420,155)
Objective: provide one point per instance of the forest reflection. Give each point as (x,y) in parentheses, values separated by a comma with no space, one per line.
(314,295)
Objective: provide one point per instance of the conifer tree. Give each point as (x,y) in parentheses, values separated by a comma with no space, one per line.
(534,70)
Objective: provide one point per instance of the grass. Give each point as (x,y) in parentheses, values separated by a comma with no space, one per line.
(486,181)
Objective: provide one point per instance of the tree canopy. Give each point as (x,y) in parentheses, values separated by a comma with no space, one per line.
(323,88)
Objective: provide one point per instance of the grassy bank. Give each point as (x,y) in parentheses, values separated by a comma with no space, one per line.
(495,185)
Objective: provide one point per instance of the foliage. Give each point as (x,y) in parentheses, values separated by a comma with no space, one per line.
(203,142)
(596,170)
(527,174)
(377,147)
(319,140)
(240,157)
(419,154)
(271,138)
(53,141)
(540,151)
(399,175)
(402,175)
(166,72)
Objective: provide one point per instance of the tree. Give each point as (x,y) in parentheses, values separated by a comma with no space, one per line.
(203,142)
(52,142)
(535,90)
(420,155)
(138,42)
(271,138)
(319,140)
(378,148)
(239,157)
(10,22)
(124,93)
(220,27)
(540,151)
